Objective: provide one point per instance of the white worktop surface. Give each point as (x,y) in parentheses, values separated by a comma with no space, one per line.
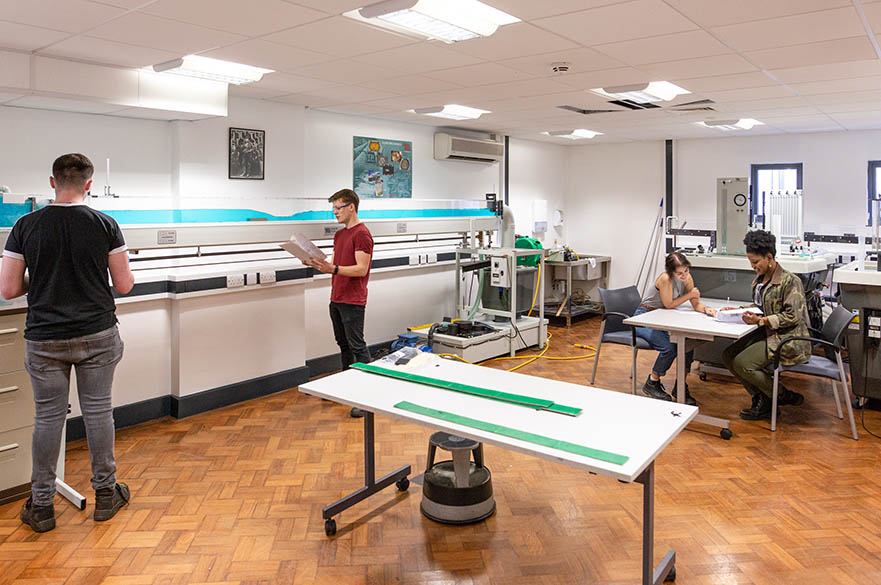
(634,426)
(794,264)
(851,274)
(684,319)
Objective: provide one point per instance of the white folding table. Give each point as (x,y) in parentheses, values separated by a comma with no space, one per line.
(634,426)
(684,323)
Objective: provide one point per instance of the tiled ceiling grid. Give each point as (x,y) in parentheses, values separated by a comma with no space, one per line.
(797,65)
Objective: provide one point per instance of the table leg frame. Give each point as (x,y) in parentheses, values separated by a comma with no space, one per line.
(713,421)
(371,485)
(666,570)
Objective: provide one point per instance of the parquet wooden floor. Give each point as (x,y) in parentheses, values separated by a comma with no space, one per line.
(234,496)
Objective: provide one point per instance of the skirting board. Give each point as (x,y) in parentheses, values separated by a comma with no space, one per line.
(327,364)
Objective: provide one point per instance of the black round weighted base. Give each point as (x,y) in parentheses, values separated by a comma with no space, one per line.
(330,527)
(402,484)
(671,576)
(726,434)
(703,376)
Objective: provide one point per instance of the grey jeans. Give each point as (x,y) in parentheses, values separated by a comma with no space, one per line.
(48,362)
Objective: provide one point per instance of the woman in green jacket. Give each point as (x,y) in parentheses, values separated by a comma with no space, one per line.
(784,314)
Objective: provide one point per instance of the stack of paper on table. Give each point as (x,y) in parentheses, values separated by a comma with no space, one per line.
(735,315)
(301,247)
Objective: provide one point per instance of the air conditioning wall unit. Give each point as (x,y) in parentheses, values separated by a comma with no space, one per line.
(449,147)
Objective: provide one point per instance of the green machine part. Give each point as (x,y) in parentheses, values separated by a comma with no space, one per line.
(529,244)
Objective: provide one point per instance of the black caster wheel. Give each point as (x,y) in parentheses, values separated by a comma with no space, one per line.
(402,484)
(726,434)
(330,527)
(671,576)
(857,403)
(703,376)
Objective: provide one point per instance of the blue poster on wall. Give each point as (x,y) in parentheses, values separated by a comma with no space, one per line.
(382,168)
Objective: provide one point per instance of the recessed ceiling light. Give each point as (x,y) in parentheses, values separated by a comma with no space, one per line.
(214,69)
(642,93)
(578,134)
(741,124)
(446,20)
(451,111)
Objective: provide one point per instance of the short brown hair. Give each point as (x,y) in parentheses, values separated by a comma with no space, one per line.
(346,196)
(72,170)
(675,260)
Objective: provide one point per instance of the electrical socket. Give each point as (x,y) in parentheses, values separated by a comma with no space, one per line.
(267,277)
(414,259)
(235,280)
(432,257)
(422,258)
(251,278)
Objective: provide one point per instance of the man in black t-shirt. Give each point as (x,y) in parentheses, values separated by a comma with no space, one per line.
(67,249)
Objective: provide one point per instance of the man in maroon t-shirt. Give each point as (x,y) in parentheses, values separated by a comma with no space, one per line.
(350,266)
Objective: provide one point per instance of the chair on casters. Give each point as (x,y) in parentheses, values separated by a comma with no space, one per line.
(619,304)
(830,337)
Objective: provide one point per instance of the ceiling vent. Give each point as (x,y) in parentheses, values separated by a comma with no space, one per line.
(585,112)
(696,106)
(449,147)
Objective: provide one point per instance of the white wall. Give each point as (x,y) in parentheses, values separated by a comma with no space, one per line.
(537,171)
(612,199)
(328,156)
(835,174)
(140,150)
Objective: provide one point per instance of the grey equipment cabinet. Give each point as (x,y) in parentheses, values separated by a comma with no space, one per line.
(16,410)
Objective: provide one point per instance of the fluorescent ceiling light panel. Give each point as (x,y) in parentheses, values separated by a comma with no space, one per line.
(446,20)
(578,134)
(741,124)
(213,69)
(641,93)
(451,112)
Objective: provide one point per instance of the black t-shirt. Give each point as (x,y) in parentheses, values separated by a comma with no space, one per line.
(65,248)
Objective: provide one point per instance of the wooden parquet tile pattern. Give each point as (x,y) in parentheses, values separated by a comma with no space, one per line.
(234,496)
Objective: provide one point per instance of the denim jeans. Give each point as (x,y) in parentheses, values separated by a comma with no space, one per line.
(48,362)
(348,330)
(660,342)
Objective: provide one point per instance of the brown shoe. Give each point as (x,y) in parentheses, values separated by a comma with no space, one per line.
(108,501)
(39,518)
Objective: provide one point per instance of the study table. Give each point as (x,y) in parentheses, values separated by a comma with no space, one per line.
(684,323)
(634,429)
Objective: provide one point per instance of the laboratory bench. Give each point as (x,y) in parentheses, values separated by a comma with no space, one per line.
(593,270)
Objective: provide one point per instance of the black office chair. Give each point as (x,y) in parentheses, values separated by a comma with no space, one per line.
(830,338)
(619,304)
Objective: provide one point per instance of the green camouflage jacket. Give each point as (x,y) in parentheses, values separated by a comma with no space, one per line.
(783,303)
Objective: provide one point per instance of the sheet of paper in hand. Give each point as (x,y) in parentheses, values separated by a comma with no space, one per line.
(735,315)
(301,247)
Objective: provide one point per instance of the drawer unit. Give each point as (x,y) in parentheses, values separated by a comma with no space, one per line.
(15,457)
(12,343)
(16,401)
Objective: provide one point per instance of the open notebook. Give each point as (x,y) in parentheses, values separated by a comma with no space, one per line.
(735,315)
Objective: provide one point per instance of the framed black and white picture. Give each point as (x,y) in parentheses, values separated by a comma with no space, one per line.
(247,153)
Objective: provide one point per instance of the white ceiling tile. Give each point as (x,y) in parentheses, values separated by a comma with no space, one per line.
(753,93)
(260,53)
(15,70)
(851,85)
(480,74)
(531,10)
(580,60)
(514,40)
(764,105)
(27,38)
(69,15)
(151,114)
(873,108)
(346,71)
(351,94)
(256,93)
(838,51)
(304,99)
(673,47)
(859,120)
(854,97)
(618,22)
(67,105)
(700,67)
(127,4)
(111,52)
(418,58)
(726,82)
(525,88)
(161,33)
(821,122)
(779,113)
(332,6)
(400,104)
(605,78)
(721,12)
(866,68)
(408,85)
(356,109)
(341,37)
(290,83)
(873,15)
(259,18)
(825,25)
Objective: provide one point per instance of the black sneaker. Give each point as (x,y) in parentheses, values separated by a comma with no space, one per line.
(654,389)
(356,412)
(761,409)
(108,501)
(689,399)
(39,518)
(789,398)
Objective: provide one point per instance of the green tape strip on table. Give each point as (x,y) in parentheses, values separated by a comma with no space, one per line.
(514,433)
(537,403)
